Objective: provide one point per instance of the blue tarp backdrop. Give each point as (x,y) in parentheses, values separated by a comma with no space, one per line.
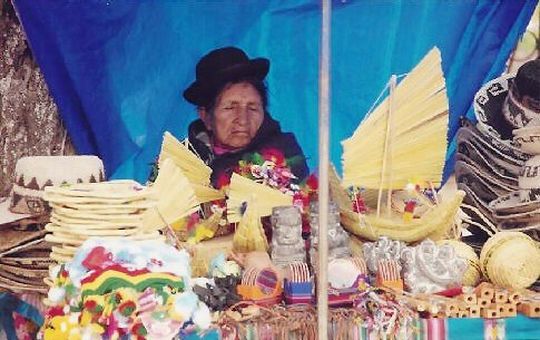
(117,68)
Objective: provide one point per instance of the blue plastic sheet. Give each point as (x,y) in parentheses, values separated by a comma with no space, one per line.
(116,68)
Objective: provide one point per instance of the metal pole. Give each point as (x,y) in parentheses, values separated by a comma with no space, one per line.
(324,128)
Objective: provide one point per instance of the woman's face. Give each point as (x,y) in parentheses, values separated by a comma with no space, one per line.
(237,116)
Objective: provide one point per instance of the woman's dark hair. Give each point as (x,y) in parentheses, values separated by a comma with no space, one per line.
(258,84)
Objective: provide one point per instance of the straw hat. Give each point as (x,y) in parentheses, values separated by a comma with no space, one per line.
(511,260)
(473,274)
(33,174)
(502,153)
(527,197)
(509,102)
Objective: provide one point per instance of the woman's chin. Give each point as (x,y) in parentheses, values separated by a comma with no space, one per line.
(239,142)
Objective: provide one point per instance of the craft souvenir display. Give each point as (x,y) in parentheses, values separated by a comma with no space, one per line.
(262,286)
(384,249)
(175,198)
(191,165)
(33,174)
(203,252)
(402,140)
(219,292)
(494,158)
(345,281)
(24,260)
(389,274)
(288,246)
(119,288)
(429,268)
(241,190)
(503,107)
(338,239)
(528,139)
(249,235)
(107,209)
(511,260)
(473,274)
(298,284)
(509,102)
(520,210)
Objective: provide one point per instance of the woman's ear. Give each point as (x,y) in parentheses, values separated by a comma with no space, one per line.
(205,117)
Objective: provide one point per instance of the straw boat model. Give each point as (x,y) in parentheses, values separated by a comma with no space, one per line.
(403,140)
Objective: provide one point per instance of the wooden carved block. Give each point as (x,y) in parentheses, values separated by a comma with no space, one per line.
(463,313)
(469,299)
(530,309)
(510,310)
(514,297)
(451,307)
(488,313)
(485,290)
(501,296)
(483,302)
(474,311)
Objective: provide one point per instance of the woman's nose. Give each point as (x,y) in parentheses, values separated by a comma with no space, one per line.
(242,114)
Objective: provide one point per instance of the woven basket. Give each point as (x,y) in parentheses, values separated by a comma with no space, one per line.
(473,274)
(511,260)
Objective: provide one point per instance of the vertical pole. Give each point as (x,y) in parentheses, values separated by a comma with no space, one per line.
(324,131)
(391,109)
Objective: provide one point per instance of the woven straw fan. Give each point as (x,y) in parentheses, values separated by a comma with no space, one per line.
(404,138)
(241,190)
(249,235)
(176,198)
(192,166)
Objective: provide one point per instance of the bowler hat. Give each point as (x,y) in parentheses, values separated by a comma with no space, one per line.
(219,67)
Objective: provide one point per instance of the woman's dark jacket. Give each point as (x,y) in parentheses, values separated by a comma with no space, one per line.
(269,135)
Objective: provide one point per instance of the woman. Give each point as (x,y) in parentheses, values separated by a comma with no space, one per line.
(231,100)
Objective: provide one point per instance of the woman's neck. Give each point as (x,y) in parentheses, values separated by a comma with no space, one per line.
(221,149)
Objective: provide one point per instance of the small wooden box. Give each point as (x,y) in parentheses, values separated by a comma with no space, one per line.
(474,311)
(483,302)
(514,297)
(490,313)
(463,313)
(469,299)
(485,290)
(501,296)
(510,310)
(530,309)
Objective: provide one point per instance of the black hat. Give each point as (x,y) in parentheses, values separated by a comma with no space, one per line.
(220,66)
(509,102)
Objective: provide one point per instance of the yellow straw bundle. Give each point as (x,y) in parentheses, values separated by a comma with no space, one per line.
(176,197)
(473,274)
(242,189)
(410,140)
(192,166)
(249,235)
(511,260)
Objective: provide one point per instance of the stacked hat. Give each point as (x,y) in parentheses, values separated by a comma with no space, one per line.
(34,173)
(491,166)
(103,210)
(24,260)
(24,253)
